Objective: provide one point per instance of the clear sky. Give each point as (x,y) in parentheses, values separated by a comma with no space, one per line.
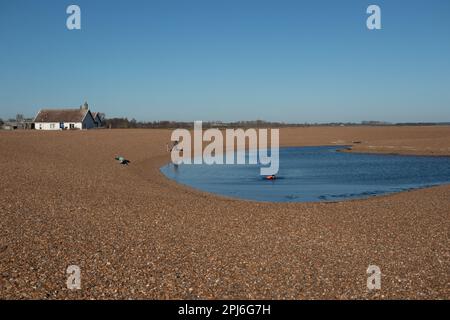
(279,60)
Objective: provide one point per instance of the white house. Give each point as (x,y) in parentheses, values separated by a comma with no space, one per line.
(62,119)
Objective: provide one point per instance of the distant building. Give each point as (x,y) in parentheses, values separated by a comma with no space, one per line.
(24,124)
(7,126)
(66,119)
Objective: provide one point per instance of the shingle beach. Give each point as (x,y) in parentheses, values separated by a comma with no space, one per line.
(136,234)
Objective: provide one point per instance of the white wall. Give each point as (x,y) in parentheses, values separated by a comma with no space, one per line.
(55,125)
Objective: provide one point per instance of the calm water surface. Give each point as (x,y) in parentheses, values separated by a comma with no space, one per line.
(317,174)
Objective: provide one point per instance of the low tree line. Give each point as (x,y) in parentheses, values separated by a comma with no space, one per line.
(125,123)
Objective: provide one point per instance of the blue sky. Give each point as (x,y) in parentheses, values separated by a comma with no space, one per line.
(292,61)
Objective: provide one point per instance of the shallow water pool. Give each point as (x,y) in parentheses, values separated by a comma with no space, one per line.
(317,174)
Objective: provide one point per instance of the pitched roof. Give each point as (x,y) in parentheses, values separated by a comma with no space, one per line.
(61,115)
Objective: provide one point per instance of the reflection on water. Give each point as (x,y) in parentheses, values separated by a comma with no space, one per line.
(317,174)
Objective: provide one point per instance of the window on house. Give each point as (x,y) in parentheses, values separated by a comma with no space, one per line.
(52,126)
(72,126)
